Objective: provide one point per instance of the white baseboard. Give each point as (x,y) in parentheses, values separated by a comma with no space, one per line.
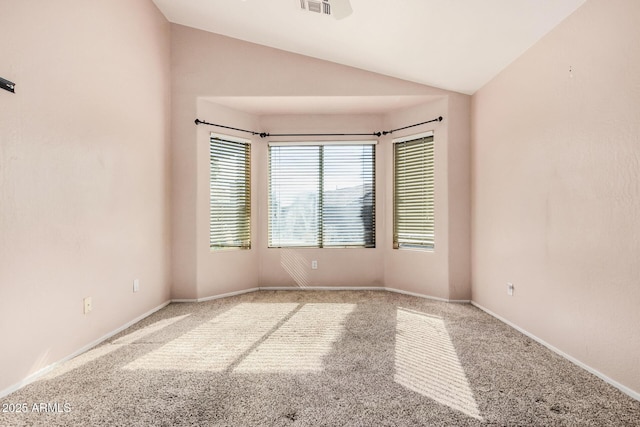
(360,288)
(413,294)
(36,375)
(322,288)
(626,390)
(214,297)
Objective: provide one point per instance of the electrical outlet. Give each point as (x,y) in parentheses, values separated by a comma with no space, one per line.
(510,289)
(136,285)
(314,265)
(88,305)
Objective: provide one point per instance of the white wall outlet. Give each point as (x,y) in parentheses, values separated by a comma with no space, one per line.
(136,285)
(88,305)
(510,289)
(314,265)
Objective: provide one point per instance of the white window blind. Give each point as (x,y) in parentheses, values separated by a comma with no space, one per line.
(322,195)
(230,193)
(413,195)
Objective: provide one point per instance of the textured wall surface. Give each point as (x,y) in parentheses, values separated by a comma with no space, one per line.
(556,194)
(84,179)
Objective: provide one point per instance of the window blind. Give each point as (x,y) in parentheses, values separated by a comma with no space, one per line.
(322,195)
(413,215)
(294,196)
(230,193)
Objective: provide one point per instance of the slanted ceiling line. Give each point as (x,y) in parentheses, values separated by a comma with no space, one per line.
(265,134)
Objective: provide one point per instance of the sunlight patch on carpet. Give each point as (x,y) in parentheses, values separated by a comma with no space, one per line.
(109,347)
(217,344)
(301,343)
(426,362)
(148,330)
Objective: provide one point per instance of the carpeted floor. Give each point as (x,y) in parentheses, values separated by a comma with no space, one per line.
(320,358)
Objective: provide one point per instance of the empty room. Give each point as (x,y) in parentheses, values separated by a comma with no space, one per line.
(320,212)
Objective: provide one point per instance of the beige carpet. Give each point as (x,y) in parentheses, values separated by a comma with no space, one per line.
(320,358)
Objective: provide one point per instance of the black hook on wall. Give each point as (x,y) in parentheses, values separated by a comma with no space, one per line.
(7,85)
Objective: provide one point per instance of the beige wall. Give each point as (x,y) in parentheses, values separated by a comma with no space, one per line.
(444,272)
(459,196)
(556,194)
(83,174)
(223,271)
(417,271)
(207,66)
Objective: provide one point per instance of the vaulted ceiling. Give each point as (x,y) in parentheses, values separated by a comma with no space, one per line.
(457,45)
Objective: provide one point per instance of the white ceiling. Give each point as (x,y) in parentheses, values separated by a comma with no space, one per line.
(457,45)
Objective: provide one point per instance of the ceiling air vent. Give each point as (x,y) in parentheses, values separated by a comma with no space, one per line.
(317,6)
(337,8)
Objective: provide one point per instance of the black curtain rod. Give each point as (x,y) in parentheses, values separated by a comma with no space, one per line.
(202,122)
(264,134)
(387,132)
(322,134)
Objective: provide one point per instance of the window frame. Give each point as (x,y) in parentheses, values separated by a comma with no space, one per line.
(320,232)
(426,244)
(244,235)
